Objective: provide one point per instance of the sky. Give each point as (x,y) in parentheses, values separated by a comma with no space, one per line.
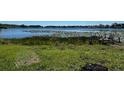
(44,23)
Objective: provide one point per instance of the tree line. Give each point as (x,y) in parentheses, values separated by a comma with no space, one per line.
(114,25)
(17,26)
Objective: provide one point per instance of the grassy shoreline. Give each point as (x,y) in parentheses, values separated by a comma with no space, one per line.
(58,54)
(37,40)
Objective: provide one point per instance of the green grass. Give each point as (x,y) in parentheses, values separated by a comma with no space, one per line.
(18,57)
(8,55)
(59,56)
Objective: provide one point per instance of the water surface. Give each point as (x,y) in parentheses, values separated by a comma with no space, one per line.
(29,32)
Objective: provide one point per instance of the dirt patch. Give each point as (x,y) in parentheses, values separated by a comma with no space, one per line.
(116,46)
(121,48)
(26,58)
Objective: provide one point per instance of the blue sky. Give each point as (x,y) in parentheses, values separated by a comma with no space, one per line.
(60,22)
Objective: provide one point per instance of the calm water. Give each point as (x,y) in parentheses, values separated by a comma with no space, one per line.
(29,32)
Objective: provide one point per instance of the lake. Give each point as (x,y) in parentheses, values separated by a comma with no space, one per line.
(29,32)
